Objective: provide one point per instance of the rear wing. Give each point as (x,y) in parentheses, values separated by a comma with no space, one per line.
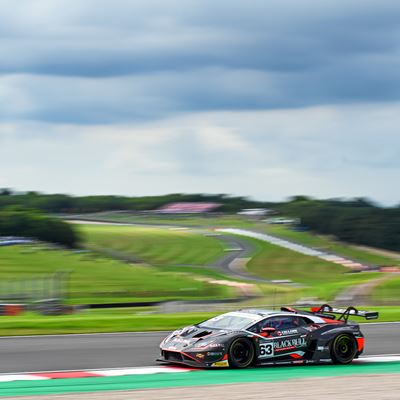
(345,313)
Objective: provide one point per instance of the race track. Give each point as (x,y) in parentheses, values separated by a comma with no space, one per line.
(76,352)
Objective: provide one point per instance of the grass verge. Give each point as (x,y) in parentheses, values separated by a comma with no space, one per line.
(388,290)
(123,320)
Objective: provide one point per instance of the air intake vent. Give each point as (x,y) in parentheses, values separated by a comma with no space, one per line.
(202,334)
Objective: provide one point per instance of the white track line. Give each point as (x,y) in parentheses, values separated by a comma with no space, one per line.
(140,371)
(20,377)
(299,248)
(378,359)
(36,376)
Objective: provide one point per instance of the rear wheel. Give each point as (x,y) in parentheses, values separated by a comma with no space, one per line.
(343,349)
(241,353)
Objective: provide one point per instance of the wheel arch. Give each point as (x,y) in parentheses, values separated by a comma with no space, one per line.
(247,338)
(330,334)
(341,358)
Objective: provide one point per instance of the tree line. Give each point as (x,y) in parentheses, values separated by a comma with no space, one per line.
(16,221)
(356,221)
(62,203)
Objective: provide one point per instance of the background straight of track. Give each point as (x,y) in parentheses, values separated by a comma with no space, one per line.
(76,352)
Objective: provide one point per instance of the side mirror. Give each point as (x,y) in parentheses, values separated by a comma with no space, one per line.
(268,330)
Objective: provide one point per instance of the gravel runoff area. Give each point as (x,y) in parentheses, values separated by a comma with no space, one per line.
(355,387)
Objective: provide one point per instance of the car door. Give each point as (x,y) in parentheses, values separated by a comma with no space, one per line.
(287,341)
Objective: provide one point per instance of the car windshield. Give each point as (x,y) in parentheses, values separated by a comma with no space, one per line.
(228,321)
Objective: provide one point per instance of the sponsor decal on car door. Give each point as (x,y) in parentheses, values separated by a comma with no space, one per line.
(290,341)
(283,343)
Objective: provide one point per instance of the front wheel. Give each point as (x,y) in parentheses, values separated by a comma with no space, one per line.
(241,353)
(343,349)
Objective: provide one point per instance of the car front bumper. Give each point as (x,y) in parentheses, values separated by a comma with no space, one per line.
(197,359)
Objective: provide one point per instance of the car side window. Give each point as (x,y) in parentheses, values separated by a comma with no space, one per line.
(266,323)
(292,322)
(280,323)
(275,322)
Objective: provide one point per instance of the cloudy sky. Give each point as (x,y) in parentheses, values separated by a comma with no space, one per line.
(264,98)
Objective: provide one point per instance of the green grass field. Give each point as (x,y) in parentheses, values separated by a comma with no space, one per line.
(156,246)
(175,270)
(321,278)
(171,248)
(99,279)
(388,291)
(274,262)
(172,251)
(123,320)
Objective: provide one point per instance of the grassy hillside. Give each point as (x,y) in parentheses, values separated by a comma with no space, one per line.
(156,246)
(275,262)
(321,278)
(98,279)
(305,238)
(173,251)
(163,246)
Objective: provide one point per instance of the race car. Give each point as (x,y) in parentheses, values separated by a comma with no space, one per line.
(249,337)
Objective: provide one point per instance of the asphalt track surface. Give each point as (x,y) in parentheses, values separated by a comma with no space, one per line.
(239,249)
(119,350)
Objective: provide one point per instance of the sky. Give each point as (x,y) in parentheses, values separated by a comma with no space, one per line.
(263,98)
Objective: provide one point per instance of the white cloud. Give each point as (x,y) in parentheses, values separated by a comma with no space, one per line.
(87,62)
(323,151)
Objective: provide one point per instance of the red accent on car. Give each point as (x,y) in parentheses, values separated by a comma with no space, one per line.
(360,343)
(187,355)
(225,357)
(67,374)
(296,356)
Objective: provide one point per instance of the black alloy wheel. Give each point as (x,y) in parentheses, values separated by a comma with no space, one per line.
(343,349)
(241,353)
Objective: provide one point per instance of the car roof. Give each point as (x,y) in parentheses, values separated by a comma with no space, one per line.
(260,314)
(256,315)
(263,313)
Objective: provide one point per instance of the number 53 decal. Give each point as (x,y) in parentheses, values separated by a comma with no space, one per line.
(266,350)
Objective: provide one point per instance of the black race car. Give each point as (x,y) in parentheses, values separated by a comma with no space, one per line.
(260,337)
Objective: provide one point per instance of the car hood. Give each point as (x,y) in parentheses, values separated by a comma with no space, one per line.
(194,337)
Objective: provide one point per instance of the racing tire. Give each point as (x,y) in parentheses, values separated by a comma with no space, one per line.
(343,349)
(241,353)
